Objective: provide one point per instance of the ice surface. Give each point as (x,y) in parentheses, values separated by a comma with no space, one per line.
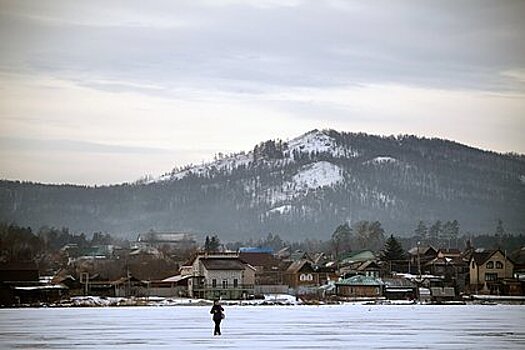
(267,327)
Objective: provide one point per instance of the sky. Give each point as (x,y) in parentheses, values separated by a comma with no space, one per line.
(104,92)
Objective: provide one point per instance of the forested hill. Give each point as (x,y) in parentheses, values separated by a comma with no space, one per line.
(298,189)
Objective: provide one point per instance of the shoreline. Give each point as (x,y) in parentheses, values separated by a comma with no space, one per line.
(270,300)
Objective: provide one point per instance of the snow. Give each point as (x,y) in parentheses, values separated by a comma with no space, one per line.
(316,175)
(381,160)
(227,163)
(283,209)
(264,327)
(315,141)
(310,177)
(318,141)
(522,179)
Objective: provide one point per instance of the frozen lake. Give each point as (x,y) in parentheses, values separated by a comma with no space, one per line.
(262,327)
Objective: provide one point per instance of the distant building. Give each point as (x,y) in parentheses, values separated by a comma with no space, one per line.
(303,276)
(359,287)
(268,271)
(221,275)
(489,269)
(399,289)
(20,284)
(171,240)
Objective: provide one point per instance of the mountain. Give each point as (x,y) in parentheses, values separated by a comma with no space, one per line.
(298,189)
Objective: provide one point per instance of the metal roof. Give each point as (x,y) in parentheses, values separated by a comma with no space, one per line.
(360,280)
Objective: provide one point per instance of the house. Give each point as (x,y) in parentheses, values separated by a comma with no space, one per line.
(299,255)
(399,289)
(359,287)
(174,286)
(419,256)
(366,268)
(268,271)
(12,277)
(169,240)
(129,286)
(305,277)
(221,275)
(488,269)
(441,266)
(518,257)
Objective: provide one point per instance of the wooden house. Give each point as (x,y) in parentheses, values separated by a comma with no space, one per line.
(359,287)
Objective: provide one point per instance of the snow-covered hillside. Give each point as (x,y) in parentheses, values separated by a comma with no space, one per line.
(312,142)
(318,142)
(309,178)
(316,175)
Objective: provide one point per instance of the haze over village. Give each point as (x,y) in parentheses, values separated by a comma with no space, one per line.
(330,162)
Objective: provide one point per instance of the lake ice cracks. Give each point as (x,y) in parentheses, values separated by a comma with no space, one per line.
(267,327)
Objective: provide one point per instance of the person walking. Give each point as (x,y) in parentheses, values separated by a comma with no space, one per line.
(218,315)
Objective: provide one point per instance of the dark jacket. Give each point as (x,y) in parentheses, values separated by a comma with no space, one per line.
(216,310)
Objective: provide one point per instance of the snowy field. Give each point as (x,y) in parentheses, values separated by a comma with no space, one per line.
(267,327)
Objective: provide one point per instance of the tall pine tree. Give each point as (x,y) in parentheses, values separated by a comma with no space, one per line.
(393,251)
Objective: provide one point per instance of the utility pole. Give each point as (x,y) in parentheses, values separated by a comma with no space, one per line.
(419,271)
(418,260)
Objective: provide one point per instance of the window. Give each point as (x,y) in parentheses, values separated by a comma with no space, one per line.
(310,277)
(490,265)
(235,283)
(214,283)
(491,277)
(302,277)
(499,265)
(473,264)
(224,284)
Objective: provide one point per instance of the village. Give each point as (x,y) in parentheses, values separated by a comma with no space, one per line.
(426,274)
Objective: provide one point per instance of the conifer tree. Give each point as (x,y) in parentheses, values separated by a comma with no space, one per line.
(393,251)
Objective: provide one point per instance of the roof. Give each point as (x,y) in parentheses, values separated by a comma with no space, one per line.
(222,263)
(266,250)
(176,278)
(481,256)
(296,266)
(300,255)
(368,264)
(441,261)
(398,283)
(423,250)
(361,255)
(259,259)
(518,256)
(165,237)
(19,272)
(360,280)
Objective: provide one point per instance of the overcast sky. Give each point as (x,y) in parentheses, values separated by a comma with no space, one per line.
(99,92)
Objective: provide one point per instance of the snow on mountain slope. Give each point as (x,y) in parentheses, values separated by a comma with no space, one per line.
(318,141)
(316,175)
(309,178)
(312,142)
(381,160)
(228,163)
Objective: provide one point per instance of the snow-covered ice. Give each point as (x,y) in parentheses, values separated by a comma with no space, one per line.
(267,327)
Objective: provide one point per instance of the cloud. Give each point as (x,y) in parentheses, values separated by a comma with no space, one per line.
(74,146)
(202,77)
